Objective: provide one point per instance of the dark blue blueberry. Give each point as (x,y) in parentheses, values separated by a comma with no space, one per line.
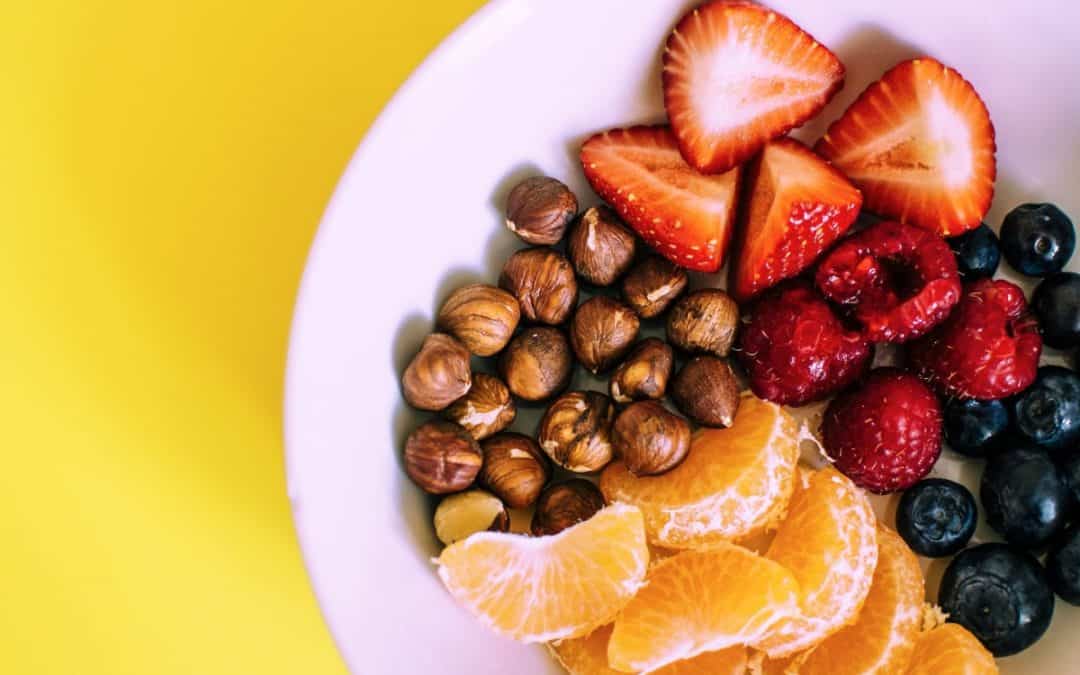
(1048,412)
(977,252)
(936,517)
(1000,594)
(1024,496)
(1037,239)
(1063,566)
(975,428)
(1070,469)
(1056,303)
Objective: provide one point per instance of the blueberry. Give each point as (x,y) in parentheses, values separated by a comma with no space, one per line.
(937,517)
(1000,594)
(1063,566)
(1048,412)
(1025,497)
(977,252)
(1056,303)
(1037,239)
(975,428)
(1070,469)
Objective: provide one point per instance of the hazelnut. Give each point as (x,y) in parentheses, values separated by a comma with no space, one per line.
(441,457)
(645,372)
(706,391)
(438,375)
(649,438)
(602,331)
(487,408)
(543,282)
(575,431)
(600,246)
(514,468)
(466,513)
(538,210)
(704,321)
(653,285)
(483,317)
(537,363)
(564,505)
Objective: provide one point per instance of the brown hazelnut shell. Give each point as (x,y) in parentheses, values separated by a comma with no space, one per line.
(565,504)
(650,439)
(481,316)
(652,285)
(706,391)
(704,321)
(575,432)
(486,409)
(543,282)
(441,457)
(602,331)
(438,375)
(600,246)
(644,373)
(515,469)
(538,209)
(537,364)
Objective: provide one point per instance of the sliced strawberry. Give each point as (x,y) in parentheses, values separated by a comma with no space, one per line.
(686,216)
(798,206)
(920,145)
(737,75)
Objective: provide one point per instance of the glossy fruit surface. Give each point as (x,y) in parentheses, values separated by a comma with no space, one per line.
(1056,303)
(977,251)
(1024,496)
(975,428)
(1048,412)
(936,517)
(1037,239)
(1063,566)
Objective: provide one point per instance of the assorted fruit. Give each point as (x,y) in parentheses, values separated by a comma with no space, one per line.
(663,521)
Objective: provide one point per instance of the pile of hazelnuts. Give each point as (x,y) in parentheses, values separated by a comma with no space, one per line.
(534,325)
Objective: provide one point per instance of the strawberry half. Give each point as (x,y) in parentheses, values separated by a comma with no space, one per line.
(920,145)
(798,206)
(686,216)
(737,75)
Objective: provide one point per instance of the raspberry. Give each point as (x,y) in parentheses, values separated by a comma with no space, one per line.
(796,350)
(988,348)
(886,435)
(901,280)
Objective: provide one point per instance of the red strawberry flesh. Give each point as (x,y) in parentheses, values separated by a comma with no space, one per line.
(886,435)
(901,280)
(796,350)
(920,145)
(798,206)
(736,75)
(987,349)
(686,216)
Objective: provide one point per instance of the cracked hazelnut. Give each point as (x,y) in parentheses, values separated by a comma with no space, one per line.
(487,408)
(564,505)
(537,363)
(538,210)
(649,438)
(645,372)
(459,516)
(704,321)
(600,246)
(706,391)
(653,285)
(441,457)
(575,432)
(514,468)
(438,375)
(543,282)
(483,317)
(602,331)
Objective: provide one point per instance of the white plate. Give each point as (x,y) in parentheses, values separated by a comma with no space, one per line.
(417,214)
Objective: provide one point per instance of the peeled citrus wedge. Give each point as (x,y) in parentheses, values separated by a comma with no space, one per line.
(733,484)
(829,542)
(701,601)
(950,649)
(588,656)
(538,589)
(881,641)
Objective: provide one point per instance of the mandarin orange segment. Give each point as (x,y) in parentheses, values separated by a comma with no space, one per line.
(588,656)
(701,601)
(734,483)
(950,649)
(881,641)
(537,589)
(829,542)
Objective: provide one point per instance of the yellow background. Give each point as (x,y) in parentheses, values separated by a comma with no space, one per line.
(163,167)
